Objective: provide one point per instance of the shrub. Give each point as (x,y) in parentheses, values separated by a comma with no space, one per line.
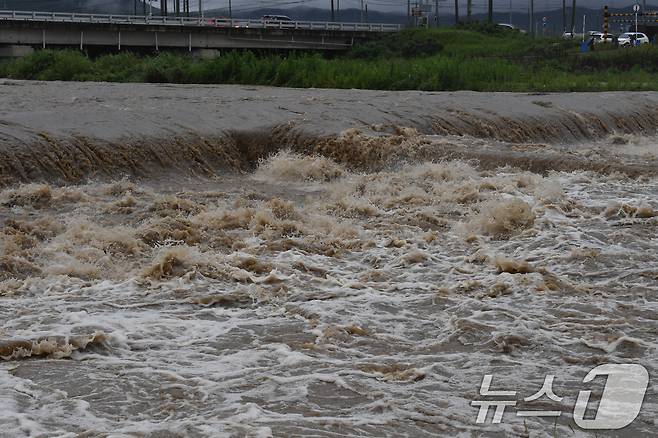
(51,65)
(408,43)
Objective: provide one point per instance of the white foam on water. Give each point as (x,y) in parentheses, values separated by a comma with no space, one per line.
(372,305)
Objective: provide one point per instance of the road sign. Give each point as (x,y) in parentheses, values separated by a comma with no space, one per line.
(636,8)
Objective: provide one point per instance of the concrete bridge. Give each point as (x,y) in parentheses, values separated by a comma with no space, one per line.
(21,31)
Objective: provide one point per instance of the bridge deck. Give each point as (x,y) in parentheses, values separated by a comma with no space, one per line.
(200,22)
(47,29)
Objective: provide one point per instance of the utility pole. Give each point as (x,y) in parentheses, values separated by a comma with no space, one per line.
(573,18)
(333,12)
(469,10)
(201,8)
(230,10)
(361,16)
(564,16)
(529,21)
(436,14)
(456,12)
(490,11)
(408,12)
(532,16)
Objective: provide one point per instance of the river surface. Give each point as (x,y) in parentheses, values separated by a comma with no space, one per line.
(306,298)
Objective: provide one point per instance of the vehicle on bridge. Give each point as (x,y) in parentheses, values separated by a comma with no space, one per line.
(34,29)
(275,18)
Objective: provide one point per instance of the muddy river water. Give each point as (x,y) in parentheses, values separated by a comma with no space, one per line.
(307,298)
(362,282)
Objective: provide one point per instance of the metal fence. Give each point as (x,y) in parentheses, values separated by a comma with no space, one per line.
(65,17)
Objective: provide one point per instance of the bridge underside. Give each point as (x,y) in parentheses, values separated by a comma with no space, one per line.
(156,37)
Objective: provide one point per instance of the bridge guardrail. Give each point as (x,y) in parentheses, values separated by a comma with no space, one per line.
(208,22)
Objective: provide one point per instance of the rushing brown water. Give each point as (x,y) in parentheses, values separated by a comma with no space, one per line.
(359,287)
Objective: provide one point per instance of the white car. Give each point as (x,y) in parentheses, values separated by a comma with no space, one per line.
(632,39)
(601,38)
(275,18)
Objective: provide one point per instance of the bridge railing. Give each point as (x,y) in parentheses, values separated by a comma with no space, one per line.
(65,17)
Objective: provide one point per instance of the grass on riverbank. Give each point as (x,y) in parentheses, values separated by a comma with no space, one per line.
(450,59)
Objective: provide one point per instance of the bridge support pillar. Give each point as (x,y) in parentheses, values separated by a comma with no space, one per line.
(15,51)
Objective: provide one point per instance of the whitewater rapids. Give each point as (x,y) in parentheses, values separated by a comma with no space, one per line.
(356,284)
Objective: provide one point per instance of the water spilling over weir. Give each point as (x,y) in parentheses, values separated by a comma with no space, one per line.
(356,277)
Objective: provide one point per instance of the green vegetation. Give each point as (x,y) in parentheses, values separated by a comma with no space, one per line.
(474,57)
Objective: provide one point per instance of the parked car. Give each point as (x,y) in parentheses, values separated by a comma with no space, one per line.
(600,38)
(633,39)
(275,18)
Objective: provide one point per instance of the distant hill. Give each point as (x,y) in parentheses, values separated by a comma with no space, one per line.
(351,15)
(88,6)
(554,22)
